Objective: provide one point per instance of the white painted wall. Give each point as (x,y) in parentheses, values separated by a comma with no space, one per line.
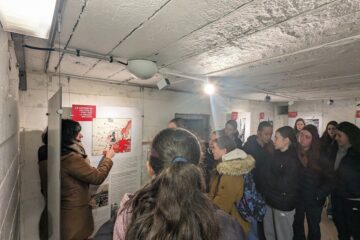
(9,141)
(223,106)
(341,110)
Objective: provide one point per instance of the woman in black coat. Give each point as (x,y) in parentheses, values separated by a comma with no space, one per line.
(346,197)
(329,147)
(315,185)
(328,142)
(282,186)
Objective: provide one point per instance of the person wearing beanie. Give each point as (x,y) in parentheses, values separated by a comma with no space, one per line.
(316,183)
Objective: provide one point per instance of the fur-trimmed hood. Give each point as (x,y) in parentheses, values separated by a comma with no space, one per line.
(236,163)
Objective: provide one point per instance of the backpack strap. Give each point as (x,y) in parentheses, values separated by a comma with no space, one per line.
(217,185)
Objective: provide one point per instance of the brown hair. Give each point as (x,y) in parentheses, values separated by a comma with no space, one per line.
(311,157)
(173,204)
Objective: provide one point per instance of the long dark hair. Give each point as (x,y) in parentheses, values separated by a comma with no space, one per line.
(298,120)
(311,157)
(326,140)
(352,132)
(288,132)
(69,130)
(173,204)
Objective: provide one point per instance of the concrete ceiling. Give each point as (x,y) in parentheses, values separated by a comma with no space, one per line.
(290,49)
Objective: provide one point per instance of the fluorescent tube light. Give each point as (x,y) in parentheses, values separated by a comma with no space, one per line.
(30,18)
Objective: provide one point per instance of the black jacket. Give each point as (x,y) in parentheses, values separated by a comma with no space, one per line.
(348,175)
(208,166)
(262,159)
(316,182)
(282,180)
(238,142)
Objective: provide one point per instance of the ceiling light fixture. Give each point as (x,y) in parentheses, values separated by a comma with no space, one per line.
(209,88)
(142,69)
(31,18)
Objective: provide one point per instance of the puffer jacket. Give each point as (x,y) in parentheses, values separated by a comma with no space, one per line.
(282,189)
(227,183)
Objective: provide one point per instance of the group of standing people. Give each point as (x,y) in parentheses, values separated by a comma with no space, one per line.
(294,174)
(280,182)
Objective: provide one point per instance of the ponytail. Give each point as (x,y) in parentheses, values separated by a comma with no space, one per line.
(173,206)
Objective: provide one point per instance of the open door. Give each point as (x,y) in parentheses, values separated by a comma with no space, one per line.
(54,152)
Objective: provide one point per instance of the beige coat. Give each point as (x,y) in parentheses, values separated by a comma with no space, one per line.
(76,175)
(227,186)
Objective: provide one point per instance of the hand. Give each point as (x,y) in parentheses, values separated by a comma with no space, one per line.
(92,203)
(109,153)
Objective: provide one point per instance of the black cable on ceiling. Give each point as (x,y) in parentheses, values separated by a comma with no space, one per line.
(76,53)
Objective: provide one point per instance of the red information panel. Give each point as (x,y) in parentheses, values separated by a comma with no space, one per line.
(234,115)
(83,112)
(358,114)
(262,115)
(292,114)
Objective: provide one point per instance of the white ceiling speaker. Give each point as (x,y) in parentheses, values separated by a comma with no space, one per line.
(142,69)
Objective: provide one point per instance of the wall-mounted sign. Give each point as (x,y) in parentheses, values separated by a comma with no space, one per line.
(292,114)
(83,112)
(358,114)
(262,115)
(234,115)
